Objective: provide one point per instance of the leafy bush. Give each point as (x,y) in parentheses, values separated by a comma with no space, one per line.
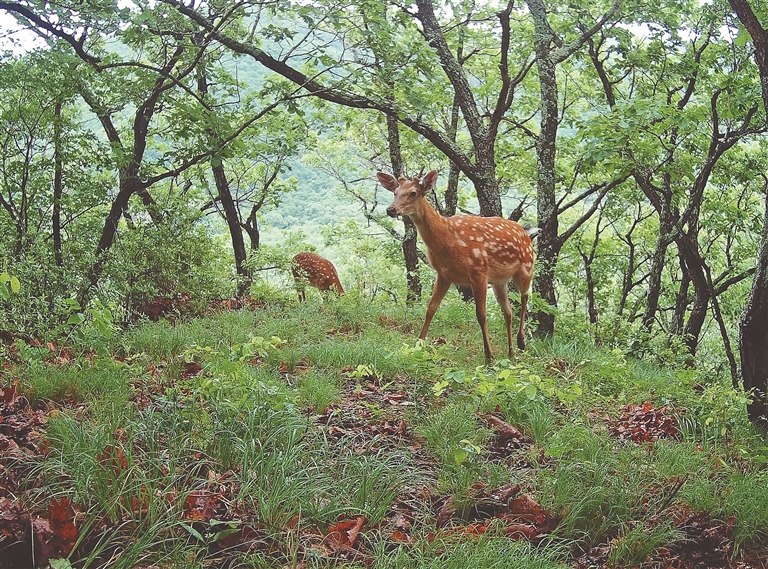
(179,256)
(34,299)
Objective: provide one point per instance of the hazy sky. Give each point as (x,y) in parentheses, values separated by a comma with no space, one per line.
(13,38)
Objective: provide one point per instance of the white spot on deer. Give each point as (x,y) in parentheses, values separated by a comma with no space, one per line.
(476,252)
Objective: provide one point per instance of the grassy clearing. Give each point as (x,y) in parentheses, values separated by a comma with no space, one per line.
(324,435)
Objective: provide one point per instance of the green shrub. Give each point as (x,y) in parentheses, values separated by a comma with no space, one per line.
(178,257)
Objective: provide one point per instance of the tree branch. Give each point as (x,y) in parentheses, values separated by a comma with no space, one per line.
(78,44)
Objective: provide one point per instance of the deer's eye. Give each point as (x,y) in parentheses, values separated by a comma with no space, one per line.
(413,193)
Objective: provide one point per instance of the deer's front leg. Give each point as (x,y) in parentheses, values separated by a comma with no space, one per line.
(438,293)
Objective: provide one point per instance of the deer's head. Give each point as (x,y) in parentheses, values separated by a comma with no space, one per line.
(409,193)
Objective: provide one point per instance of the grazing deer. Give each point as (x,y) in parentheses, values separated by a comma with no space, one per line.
(315,270)
(468,250)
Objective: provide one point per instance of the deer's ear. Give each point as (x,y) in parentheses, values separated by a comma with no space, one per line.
(388,181)
(429,181)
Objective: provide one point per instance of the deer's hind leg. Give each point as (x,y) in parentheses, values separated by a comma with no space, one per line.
(523,312)
(522,281)
(501,291)
(480,292)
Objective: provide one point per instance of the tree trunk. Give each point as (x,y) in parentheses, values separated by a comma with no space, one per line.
(57,186)
(129,175)
(627,282)
(753,337)
(681,300)
(483,134)
(452,189)
(411,256)
(590,281)
(753,326)
(128,187)
(231,214)
(546,257)
(235,232)
(487,188)
(545,285)
(698,315)
(723,329)
(753,341)
(661,199)
(251,227)
(549,248)
(410,235)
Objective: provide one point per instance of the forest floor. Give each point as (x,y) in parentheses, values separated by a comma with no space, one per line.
(322,435)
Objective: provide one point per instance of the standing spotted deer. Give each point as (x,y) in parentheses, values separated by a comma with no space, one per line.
(315,270)
(468,250)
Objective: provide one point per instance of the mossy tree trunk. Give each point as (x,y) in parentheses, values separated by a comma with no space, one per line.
(753,327)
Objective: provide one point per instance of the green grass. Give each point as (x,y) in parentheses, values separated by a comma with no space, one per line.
(100,381)
(318,391)
(634,545)
(487,552)
(286,420)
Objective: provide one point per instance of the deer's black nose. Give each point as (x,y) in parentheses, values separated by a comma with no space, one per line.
(391,212)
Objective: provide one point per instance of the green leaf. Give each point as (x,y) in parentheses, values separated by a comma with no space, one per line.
(224,533)
(77,318)
(457,376)
(742,37)
(15,284)
(439,387)
(193,531)
(103,328)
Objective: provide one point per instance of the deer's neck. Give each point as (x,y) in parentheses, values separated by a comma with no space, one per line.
(432,227)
